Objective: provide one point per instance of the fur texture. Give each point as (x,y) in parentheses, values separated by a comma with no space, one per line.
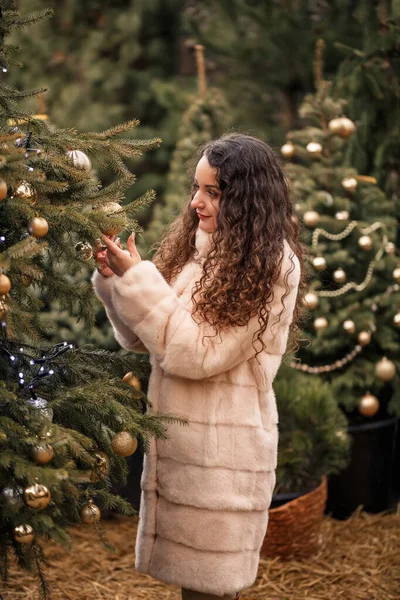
(206,489)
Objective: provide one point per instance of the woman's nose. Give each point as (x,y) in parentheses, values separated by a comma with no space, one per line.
(196,200)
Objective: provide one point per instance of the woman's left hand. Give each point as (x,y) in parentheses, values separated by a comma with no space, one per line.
(120,260)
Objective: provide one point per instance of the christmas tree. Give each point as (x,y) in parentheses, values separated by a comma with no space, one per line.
(67,416)
(352,336)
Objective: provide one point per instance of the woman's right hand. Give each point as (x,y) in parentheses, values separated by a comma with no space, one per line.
(99,254)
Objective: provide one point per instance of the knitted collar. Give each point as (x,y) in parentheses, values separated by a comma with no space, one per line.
(203,243)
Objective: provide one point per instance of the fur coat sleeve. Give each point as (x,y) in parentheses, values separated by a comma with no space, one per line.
(147,305)
(124,335)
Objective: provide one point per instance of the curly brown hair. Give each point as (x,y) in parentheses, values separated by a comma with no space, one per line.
(255,217)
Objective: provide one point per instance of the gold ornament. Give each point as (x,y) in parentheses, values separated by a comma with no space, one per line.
(315,149)
(80,159)
(396,275)
(364,338)
(25,190)
(38,227)
(396,319)
(42,453)
(3,190)
(111,208)
(365,242)
(368,405)
(349,326)
(37,496)
(350,184)
(342,215)
(390,248)
(84,250)
(385,369)
(90,513)
(24,534)
(335,126)
(311,300)
(311,218)
(5,284)
(124,444)
(342,435)
(325,197)
(3,309)
(102,467)
(342,126)
(132,380)
(320,323)
(319,263)
(288,150)
(339,275)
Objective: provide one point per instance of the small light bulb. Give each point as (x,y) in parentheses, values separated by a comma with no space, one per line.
(12,358)
(21,349)
(41,369)
(51,372)
(31,362)
(21,381)
(71,345)
(21,375)
(4,70)
(2,238)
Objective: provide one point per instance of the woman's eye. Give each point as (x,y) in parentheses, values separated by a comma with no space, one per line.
(195,185)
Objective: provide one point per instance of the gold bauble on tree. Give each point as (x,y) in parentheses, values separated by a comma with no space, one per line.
(24,534)
(5,284)
(335,126)
(368,405)
(385,369)
(320,323)
(364,338)
(342,215)
(349,326)
(350,184)
(80,159)
(390,248)
(365,242)
(25,190)
(314,149)
(3,190)
(311,218)
(84,250)
(110,208)
(42,453)
(132,380)
(311,300)
(396,274)
(124,444)
(37,496)
(319,263)
(38,227)
(90,513)
(339,275)
(396,319)
(348,127)
(102,467)
(288,150)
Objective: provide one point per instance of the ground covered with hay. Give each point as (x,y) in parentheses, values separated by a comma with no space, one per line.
(359,560)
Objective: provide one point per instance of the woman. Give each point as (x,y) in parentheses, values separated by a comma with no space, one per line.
(214,310)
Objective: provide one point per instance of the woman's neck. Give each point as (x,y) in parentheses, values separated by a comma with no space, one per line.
(203,243)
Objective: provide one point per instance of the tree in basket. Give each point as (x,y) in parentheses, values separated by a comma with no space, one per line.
(68,417)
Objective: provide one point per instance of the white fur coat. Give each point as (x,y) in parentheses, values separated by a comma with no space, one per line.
(206,489)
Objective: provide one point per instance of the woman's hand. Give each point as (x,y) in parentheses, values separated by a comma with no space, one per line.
(119,260)
(99,254)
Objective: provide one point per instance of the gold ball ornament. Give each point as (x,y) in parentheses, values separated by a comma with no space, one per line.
(311,218)
(3,190)
(25,190)
(368,405)
(339,275)
(350,184)
(111,208)
(132,380)
(314,149)
(102,467)
(5,284)
(385,369)
(80,159)
(319,263)
(396,319)
(84,250)
(124,444)
(320,323)
(335,126)
(342,435)
(311,300)
(38,227)
(90,513)
(364,338)
(288,150)
(342,215)
(37,496)
(365,242)
(396,275)
(348,127)
(42,453)
(349,326)
(390,248)
(24,534)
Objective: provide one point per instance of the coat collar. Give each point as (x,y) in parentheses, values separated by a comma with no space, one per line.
(203,243)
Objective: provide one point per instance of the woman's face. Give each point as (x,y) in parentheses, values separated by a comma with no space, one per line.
(206,195)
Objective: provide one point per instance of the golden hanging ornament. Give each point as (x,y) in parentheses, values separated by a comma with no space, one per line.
(368,405)
(90,513)
(349,326)
(80,159)
(348,127)
(24,534)
(314,149)
(365,242)
(390,248)
(310,300)
(112,208)
(38,227)
(25,190)
(132,380)
(37,496)
(342,215)
(342,435)
(320,323)
(339,275)
(42,453)
(319,263)
(350,184)
(124,444)
(311,218)
(5,284)
(396,319)
(102,467)
(396,275)
(385,369)
(3,190)
(335,126)
(84,250)
(364,338)
(288,150)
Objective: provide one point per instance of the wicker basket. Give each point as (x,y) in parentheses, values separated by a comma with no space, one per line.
(294,528)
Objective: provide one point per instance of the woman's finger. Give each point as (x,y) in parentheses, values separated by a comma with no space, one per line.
(111,246)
